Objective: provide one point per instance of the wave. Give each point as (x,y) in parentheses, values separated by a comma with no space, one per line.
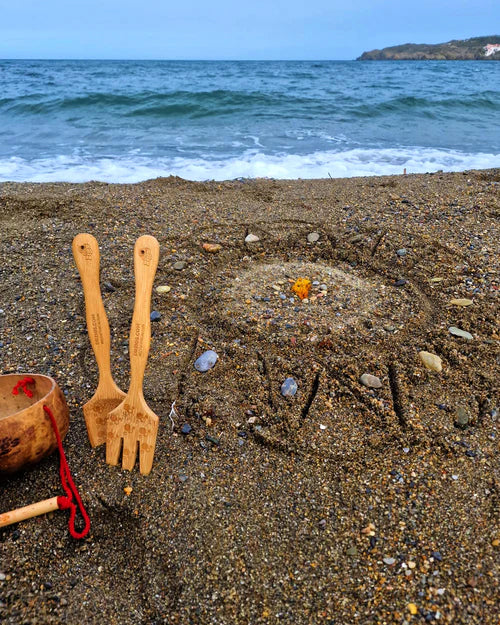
(155,104)
(252,164)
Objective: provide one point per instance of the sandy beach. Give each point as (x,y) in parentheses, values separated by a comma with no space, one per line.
(345,503)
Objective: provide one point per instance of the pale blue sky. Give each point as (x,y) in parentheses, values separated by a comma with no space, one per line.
(232,29)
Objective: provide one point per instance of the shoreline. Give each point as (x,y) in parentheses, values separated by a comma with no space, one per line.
(343,503)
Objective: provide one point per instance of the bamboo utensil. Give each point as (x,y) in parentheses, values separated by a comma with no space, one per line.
(107,396)
(28,512)
(133,423)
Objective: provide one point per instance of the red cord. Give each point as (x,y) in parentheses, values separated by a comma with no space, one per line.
(66,480)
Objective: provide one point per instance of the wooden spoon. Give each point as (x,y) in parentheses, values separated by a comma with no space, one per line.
(108,395)
(133,422)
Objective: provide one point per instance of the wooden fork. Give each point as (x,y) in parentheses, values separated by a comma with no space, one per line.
(133,423)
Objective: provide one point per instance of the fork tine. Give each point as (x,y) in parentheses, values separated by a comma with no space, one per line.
(130,443)
(147,451)
(113,447)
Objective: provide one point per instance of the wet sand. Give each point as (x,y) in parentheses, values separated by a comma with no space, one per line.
(343,503)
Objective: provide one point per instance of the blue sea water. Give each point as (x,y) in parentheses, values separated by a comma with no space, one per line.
(126,121)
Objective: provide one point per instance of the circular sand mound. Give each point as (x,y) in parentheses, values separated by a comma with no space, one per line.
(261,297)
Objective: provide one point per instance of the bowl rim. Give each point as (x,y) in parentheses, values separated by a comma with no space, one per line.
(20,376)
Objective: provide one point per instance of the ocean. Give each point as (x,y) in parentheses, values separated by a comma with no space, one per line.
(127,121)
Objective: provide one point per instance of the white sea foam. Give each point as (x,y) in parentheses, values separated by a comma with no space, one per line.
(251,164)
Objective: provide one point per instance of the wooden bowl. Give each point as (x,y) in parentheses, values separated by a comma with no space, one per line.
(26,434)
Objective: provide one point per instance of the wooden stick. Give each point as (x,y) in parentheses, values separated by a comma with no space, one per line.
(34,509)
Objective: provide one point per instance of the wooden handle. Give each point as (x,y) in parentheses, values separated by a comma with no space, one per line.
(35,509)
(86,254)
(146,256)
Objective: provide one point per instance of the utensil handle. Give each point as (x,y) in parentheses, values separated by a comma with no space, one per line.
(146,256)
(86,254)
(34,509)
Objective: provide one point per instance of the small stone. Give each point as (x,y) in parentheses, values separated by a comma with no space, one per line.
(164,288)
(213,248)
(402,252)
(2,577)
(108,287)
(180,265)
(461,302)
(212,439)
(289,387)
(183,477)
(389,561)
(251,238)
(371,381)
(186,428)
(458,332)
(412,608)
(462,418)
(400,282)
(352,551)
(155,316)
(431,361)
(312,237)
(206,361)
(411,564)
(495,542)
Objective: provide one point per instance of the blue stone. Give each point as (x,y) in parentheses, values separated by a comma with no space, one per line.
(289,387)
(206,361)
(155,316)
(186,428)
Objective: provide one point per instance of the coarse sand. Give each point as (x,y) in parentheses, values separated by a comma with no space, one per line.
(340,504)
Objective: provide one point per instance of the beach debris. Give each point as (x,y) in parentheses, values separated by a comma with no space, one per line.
(458,332)
(371,381)
(430,361)
(206,361)
(180,265)
(289,387)
(163,288)
(212,248)
(301,287)
(155,316)
(251,238)
(172,414)
(312,237)
(127,490)
(461,302)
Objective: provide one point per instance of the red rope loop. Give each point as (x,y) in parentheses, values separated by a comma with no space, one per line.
(68,485)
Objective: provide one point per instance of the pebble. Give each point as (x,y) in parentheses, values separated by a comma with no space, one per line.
(462,418)
(402,252)
(389,561)
(312,237)
(206,361)
(289,387)
(412,608)
(352,551)
(458,332)
(186,428)
(371,381)
(155,316)
(213,248)
(461,302)
(251,238)
(431,361)
(400,282)
(164,288)
(2,577)
(180,265)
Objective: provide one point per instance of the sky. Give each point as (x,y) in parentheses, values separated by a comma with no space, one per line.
(233,29)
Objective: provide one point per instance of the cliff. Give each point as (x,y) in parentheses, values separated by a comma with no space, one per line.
(476,48)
